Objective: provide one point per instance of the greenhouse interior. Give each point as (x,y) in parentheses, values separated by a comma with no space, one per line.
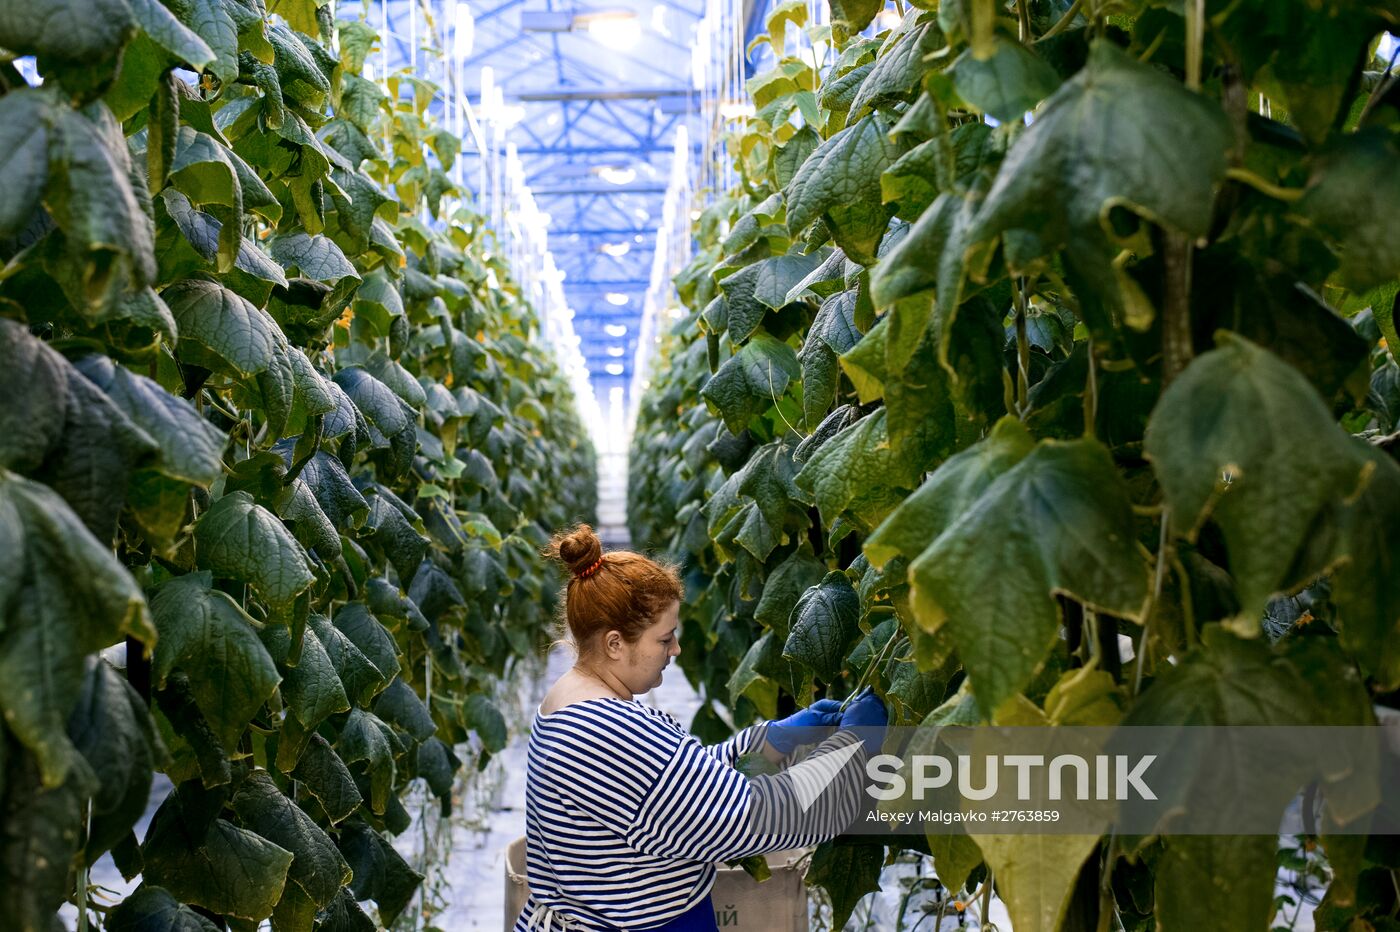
(698,465)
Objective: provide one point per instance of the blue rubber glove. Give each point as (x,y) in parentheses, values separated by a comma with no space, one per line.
(867,714)
(799,728)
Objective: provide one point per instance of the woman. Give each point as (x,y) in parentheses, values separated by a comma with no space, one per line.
(626,813)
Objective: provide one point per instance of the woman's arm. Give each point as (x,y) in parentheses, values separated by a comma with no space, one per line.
(701,809)
(744,741)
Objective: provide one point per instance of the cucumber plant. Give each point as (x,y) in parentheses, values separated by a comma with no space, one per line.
(277,423)
(1031,324)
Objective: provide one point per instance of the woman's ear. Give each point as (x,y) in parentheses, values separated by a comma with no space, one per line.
(612,644)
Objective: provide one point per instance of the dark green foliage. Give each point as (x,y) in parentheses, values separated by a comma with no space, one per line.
(1123,367)
(267,427)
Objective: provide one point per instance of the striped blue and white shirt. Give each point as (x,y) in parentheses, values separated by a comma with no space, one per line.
(627,813)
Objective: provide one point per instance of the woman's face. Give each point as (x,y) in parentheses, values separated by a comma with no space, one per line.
(652,652)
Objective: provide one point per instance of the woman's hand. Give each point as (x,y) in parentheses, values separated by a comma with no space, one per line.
(785,734)
(867,713)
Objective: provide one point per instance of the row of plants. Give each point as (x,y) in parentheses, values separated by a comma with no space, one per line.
(1030,324)
(279,426)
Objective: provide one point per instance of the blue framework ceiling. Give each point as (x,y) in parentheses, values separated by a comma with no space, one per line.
(594,116)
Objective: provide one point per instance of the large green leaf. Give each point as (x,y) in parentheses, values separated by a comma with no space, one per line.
(64,595)
(172,35)
(825,622)
(327,778)
(245,338)
(365,739)
(384,410)
(1241,438)
(239,539)
(317,867)
(1059,521)
(784,586)
(374,641)
(1341,202)
(381,874)
(360,679)
(24,140)
(111,727)
(1120,133)
(204,632)
(858,472)
(311,690)
(91,198)
(225,869)
(901,63)
(840,182)
(66,30)
(750,381)
(213,20)
(1006,84)
(947,493)
(1035,874)
(756,289)
(190,447)
(153,909)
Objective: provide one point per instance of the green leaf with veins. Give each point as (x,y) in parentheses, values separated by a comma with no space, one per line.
(311,690)
(190,447)
(68,596)
(241,336)
(381,873)
(857,472)
(1119,134)
(317,867)
(1241,438)
(91,199)
(213,21)
(901,63)
(24,139)
(153,909)
(227,870)
(365,739)
(784,586)
(360,679)
(948,493)
(825,622)
(73,31)
(840,183)
(327,778)
(756,289)
(239,539)
(1063,518)
(204,632)
(1007,84)
(748,382)
(172,35)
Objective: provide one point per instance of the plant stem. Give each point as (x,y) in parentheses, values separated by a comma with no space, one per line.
(1091,395)
(986,899)
(1176,306)
(870,667)
(1158,574)
(1063,22)
(1023,352)
(1195,42)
